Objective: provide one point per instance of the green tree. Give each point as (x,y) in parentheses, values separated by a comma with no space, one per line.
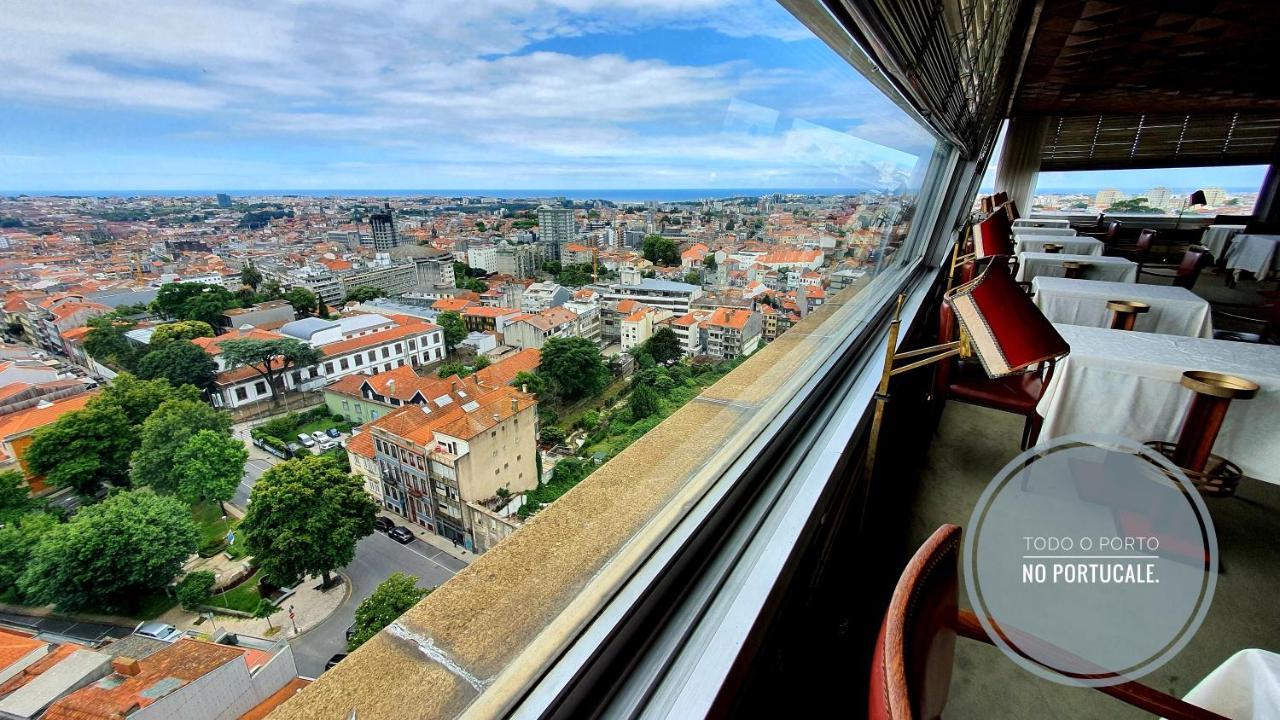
(574,365)
(693,277)
(302,300)
(481,362)
(105,341)
(84,448)
(164,435)
(530,381)
(663,345)
(659,250)
(305,517)
(453,368)
(643,402)
(455,329)
(552,434)
(209,467)
(251,276)
(391,599)
(18,539)
(269,358)
(195,589)
(271,289)
(193,301)
(14,499)
(361,293)
(180,363)
(139,398)
(129,545)
(709,262)
(181,330)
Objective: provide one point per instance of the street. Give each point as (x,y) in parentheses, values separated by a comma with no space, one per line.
(252,471)
(377,556)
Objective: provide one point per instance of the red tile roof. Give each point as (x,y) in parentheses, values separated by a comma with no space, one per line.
(27,420)
(375,339)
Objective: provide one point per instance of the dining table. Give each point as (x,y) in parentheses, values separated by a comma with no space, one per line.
(1042,222)
(1244,687)
(1022,230)
(1254,253)
(1032,265)
(1073,245)
(1217,237)
(1173,310)
(1118,382)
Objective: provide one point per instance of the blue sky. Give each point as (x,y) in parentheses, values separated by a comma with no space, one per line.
(495,94)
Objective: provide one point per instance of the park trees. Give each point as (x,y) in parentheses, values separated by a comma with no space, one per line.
(302,300)
(164,434)
(361,293)
(305,517)
(193,301)
(110,554)
(455,329)
(391,599)
(251,276)
(180,330)
(18,539)
(643,402)
(659,250)
(664,345)
(269,358)
(84,448)
(138,398)
(105,341)
(181,362)
(13,496)
(209,467)
(574,365)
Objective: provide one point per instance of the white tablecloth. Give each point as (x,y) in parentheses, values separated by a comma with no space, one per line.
(1245,687)
(1072,245)
(1255,253)
(1097,267)
(1128,383)
(1216,238)
(1021,230)
(1042,222)
(1174,310)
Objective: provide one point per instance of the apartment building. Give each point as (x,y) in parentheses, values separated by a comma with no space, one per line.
(532,330)
(355,344)
(732,333)
(640,325)
(540,296)
(519,260)
(555,230)
(472,443)
(482,318)
(677,297)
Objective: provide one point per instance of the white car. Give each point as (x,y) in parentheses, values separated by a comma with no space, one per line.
(158,631)
(328,444)
(319,436)
(306,440)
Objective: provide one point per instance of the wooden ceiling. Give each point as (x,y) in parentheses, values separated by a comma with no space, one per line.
(1152,56)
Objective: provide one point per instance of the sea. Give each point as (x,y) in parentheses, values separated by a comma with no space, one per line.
(611,195)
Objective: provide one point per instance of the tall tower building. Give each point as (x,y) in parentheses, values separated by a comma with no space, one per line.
(555,229)
(383,225)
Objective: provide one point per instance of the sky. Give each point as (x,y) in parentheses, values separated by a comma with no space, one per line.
(494,94)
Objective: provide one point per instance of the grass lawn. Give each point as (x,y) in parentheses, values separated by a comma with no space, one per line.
(322,424)
(152,606)
(243,597)
(213,531)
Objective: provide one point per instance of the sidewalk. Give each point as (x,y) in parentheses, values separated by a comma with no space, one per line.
(310,607)
(439,543)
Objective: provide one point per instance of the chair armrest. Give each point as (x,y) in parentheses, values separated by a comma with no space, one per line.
(1145,271)
(1241,318)
(1131,693)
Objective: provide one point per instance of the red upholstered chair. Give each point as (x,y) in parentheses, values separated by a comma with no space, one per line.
(966,381)
(1142,249)
(1011,209)
(1188,271)
(1269,326)
(1109,234)
(1000,198)
(915,651)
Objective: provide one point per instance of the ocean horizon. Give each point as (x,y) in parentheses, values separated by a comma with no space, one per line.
(611,195)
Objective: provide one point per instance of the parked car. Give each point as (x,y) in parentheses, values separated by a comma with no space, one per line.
(335,660)
(402,535)
(383,523)
(294,449)
(318,435)
(351,631)
(158,631)
(306,440)
(333,432)
(328,444)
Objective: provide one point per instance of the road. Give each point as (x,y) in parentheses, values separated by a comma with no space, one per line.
(252,471)
(377,556)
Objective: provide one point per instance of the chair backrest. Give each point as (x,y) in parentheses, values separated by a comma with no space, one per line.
(1011,208)
(1193,261)
(1145,238)
(911,671)
(1113,231)
(1000,198)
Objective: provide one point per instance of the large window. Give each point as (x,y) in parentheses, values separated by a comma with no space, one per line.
(1165,191)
